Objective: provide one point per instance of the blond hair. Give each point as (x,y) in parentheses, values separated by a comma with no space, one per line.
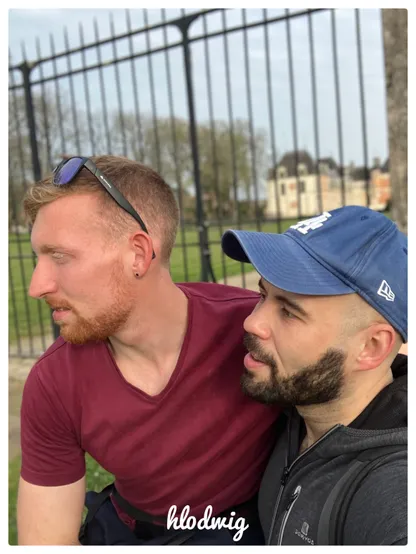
(146,191)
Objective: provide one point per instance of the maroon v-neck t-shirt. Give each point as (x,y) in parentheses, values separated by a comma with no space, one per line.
(199,442)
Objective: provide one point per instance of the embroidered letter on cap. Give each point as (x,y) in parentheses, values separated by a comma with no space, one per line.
(313,223)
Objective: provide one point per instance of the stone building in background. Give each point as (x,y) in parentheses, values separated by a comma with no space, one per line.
(300,186)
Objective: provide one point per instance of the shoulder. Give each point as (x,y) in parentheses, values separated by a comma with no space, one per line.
(62,366)
(220,294)
(63,354)
(378,511)
(217,314)
(221,305)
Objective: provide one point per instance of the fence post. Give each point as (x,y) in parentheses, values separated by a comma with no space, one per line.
(26,68)
(183,25)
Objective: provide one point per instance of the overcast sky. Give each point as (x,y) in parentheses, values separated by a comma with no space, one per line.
(27,25)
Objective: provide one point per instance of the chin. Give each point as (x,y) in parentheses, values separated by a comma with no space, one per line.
(72,335)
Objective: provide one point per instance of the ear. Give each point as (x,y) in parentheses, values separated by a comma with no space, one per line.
(379,341)
(142,247)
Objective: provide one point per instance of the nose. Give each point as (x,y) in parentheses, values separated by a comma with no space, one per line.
(257,324)
(42,282)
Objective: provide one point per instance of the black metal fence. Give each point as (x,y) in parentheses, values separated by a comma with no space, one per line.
(235,108)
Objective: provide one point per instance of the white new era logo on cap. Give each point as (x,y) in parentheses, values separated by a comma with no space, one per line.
(386,292)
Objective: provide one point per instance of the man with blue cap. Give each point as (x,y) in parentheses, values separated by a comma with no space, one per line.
(324,341)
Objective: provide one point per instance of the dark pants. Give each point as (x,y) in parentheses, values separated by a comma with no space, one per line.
(106,528)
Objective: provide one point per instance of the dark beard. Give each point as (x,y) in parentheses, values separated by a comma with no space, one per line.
(317,383)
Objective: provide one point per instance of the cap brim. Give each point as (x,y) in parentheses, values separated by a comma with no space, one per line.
(282,262)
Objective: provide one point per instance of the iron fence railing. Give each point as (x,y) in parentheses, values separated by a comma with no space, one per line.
(169,94)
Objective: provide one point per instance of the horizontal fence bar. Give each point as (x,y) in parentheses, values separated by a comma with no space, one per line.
(149,51)
(103,42)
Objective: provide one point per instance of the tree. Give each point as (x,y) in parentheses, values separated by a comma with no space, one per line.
(230,163)
(228,169)
(395,61)
(56,136)
(225,161)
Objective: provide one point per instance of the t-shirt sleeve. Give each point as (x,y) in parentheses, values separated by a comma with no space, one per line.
(51,451)
(377,514)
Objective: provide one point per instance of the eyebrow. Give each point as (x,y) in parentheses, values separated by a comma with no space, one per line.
(48,248)
(288,301)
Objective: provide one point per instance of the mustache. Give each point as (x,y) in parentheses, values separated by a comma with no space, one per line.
(55,304)
(252,344)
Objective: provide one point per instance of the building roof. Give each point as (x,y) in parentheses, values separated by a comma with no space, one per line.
(288,161)
(330,162)
(359,173)
(290,158)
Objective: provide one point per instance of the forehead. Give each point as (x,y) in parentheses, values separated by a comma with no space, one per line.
(68,220)
(324,305)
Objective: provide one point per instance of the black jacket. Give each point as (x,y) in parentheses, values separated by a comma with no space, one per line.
(295,487)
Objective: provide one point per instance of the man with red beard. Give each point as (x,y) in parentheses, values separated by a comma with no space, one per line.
(324,341)
(145,376)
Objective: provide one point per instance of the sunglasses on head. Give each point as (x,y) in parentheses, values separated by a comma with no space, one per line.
(69,168)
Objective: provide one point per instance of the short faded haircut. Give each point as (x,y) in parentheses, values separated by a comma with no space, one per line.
(360,315)
(145,189)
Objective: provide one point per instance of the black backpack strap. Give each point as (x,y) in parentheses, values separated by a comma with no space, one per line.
(333,515)
(136,513)
(176,539)
(326,527)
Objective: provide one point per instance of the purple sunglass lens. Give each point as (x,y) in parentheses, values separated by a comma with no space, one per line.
(68,171)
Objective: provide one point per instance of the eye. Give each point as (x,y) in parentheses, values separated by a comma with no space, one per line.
(286,314)
(262,296)
(57,255)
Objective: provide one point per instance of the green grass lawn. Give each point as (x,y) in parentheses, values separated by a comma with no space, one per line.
(97,479)
(31,317)
(14,471)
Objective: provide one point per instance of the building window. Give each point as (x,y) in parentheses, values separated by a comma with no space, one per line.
(302,169)
(301,186)
(283,188)
(282,172)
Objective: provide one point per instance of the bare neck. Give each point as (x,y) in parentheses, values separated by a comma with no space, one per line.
(157,326)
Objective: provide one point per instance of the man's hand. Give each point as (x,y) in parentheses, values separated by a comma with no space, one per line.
(49,515)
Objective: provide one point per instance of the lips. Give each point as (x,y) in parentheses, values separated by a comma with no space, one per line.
(60,315)
(252,363)
(256,358)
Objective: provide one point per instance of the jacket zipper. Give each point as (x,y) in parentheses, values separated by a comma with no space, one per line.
(285,477)
(292,501)
(282,486)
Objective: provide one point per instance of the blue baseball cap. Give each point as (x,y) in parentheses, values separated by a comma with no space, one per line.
(347,250)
